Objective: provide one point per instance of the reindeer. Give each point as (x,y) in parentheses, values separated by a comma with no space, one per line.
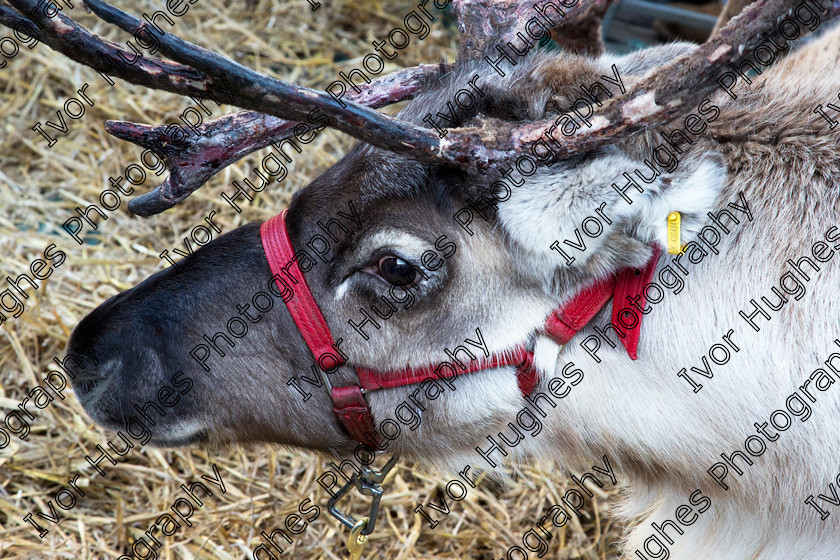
(765,151)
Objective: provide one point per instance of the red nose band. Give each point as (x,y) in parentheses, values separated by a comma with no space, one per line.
(349,403)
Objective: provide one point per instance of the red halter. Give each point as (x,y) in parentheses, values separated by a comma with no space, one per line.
(349,403)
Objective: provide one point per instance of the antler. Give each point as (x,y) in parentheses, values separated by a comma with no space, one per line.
(583,35)
(195,161)
(225,140)
(278,105)
(653,101)
(249,89)
(77,43)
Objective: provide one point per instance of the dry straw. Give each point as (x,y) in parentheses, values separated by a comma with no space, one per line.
(39,188)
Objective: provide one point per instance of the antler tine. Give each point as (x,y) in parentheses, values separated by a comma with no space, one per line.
(582,34)
(731,9)
(63,35)
(655,100)
(225,140)
(483,23)
(11,17)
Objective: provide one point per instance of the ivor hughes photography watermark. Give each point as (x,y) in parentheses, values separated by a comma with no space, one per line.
(419,279)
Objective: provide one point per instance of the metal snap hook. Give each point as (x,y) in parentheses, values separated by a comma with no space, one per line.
(367,483)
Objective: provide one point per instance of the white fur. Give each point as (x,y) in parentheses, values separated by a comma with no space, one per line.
(661,436)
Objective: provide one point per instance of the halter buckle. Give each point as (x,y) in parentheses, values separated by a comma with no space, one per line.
(325,379)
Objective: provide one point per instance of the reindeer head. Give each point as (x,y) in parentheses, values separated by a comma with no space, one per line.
(376,237)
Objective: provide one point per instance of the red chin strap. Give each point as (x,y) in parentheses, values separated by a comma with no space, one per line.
(349,403)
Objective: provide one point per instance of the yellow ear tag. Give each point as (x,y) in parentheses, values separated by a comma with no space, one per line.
(674,247)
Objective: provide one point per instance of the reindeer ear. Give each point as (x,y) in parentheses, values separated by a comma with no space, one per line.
(573,215)
(691,191)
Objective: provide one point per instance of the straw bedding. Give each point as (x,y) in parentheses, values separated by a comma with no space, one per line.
(39,189)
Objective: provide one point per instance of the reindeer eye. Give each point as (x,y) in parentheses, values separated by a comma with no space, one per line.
(396,271)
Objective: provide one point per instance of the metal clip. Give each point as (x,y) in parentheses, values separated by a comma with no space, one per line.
(356,541)
(368,483)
